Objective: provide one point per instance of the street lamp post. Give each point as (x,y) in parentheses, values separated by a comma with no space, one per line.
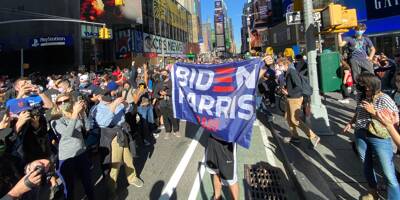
(319,120)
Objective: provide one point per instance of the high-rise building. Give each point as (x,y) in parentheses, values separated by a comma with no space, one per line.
(206,46)
(194,7)
(220,26)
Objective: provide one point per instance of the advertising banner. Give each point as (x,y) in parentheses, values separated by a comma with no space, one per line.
(106,11)
(138,41)
(220,40)
(382,8)
(123,43)
(220,98)
(218,4)
(161,45)
(51,41)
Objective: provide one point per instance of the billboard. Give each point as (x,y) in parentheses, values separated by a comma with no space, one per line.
(106,11)
(220,40)
(138,41)
(261,12)
(382,8)
(161,45)
(123,43)
(219,28)
(218,4)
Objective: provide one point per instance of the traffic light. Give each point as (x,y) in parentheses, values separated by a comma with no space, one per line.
(298,5)
(119,2)
(349,19)
(104,33)
(337,17)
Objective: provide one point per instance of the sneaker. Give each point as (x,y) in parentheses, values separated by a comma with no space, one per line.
(137,182)
(177,134)
(161,127)
(369,196)
(315,141)
(291,140)
(344,101)
(166,137)
(156,135)
(147,143)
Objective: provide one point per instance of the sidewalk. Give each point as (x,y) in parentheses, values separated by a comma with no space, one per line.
(332,170)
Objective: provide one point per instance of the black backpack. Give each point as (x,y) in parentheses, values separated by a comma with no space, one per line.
(305,85)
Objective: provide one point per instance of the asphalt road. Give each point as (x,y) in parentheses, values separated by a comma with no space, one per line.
(174,169)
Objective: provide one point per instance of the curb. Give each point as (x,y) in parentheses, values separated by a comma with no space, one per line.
(307,178)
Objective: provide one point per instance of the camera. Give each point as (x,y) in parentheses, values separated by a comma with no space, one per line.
(36,112)
(46,175)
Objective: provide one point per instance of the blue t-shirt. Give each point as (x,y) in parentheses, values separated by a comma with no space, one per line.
(359,47)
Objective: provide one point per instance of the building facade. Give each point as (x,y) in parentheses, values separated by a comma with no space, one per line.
(382,19)
(155,31)
(206,45)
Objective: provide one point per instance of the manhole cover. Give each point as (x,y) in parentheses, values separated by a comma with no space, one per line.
(263,182)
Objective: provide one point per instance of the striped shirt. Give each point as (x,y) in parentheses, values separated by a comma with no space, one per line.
(383,102)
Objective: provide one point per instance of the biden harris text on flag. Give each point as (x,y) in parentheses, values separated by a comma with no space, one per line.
(220,98)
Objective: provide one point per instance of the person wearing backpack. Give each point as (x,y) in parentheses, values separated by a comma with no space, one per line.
(347,83)
(296,88)
(361,51)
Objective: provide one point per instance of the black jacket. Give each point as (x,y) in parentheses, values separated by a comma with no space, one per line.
(293,83)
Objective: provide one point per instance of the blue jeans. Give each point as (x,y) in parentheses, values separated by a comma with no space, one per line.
(382,148)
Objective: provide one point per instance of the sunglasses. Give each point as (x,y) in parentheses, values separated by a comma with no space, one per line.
(62,102)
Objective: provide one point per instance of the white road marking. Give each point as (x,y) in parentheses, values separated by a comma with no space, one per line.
(180,169)
(267,145)
(197,181)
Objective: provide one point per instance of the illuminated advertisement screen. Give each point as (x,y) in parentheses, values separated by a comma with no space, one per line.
(106,11)
(219,28)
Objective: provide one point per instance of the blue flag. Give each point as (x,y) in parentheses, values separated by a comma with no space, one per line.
(220,98)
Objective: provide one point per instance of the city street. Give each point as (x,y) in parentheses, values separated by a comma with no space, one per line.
(261,99)
(174,168)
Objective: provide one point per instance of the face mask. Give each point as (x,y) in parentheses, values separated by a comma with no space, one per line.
(360,32)
(66,107)
(83,84)
(139,70)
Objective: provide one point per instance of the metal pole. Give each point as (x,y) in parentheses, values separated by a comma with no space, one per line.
(319,37)
(22,62)
(319,120)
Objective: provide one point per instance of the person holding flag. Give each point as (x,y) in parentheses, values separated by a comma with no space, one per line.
(221,98)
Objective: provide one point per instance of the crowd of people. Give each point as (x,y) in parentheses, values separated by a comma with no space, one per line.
(50,127)
(60,122)
(372,81)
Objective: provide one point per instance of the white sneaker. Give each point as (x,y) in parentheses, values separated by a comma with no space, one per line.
(156,135)
(162,127)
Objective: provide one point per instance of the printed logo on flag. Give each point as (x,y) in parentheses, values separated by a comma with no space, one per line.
(221,98)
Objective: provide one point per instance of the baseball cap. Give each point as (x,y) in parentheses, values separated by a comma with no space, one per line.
(17,106)
(99,91)
(84,77)
(112,86)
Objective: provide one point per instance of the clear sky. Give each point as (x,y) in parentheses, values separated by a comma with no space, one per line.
(235,8)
